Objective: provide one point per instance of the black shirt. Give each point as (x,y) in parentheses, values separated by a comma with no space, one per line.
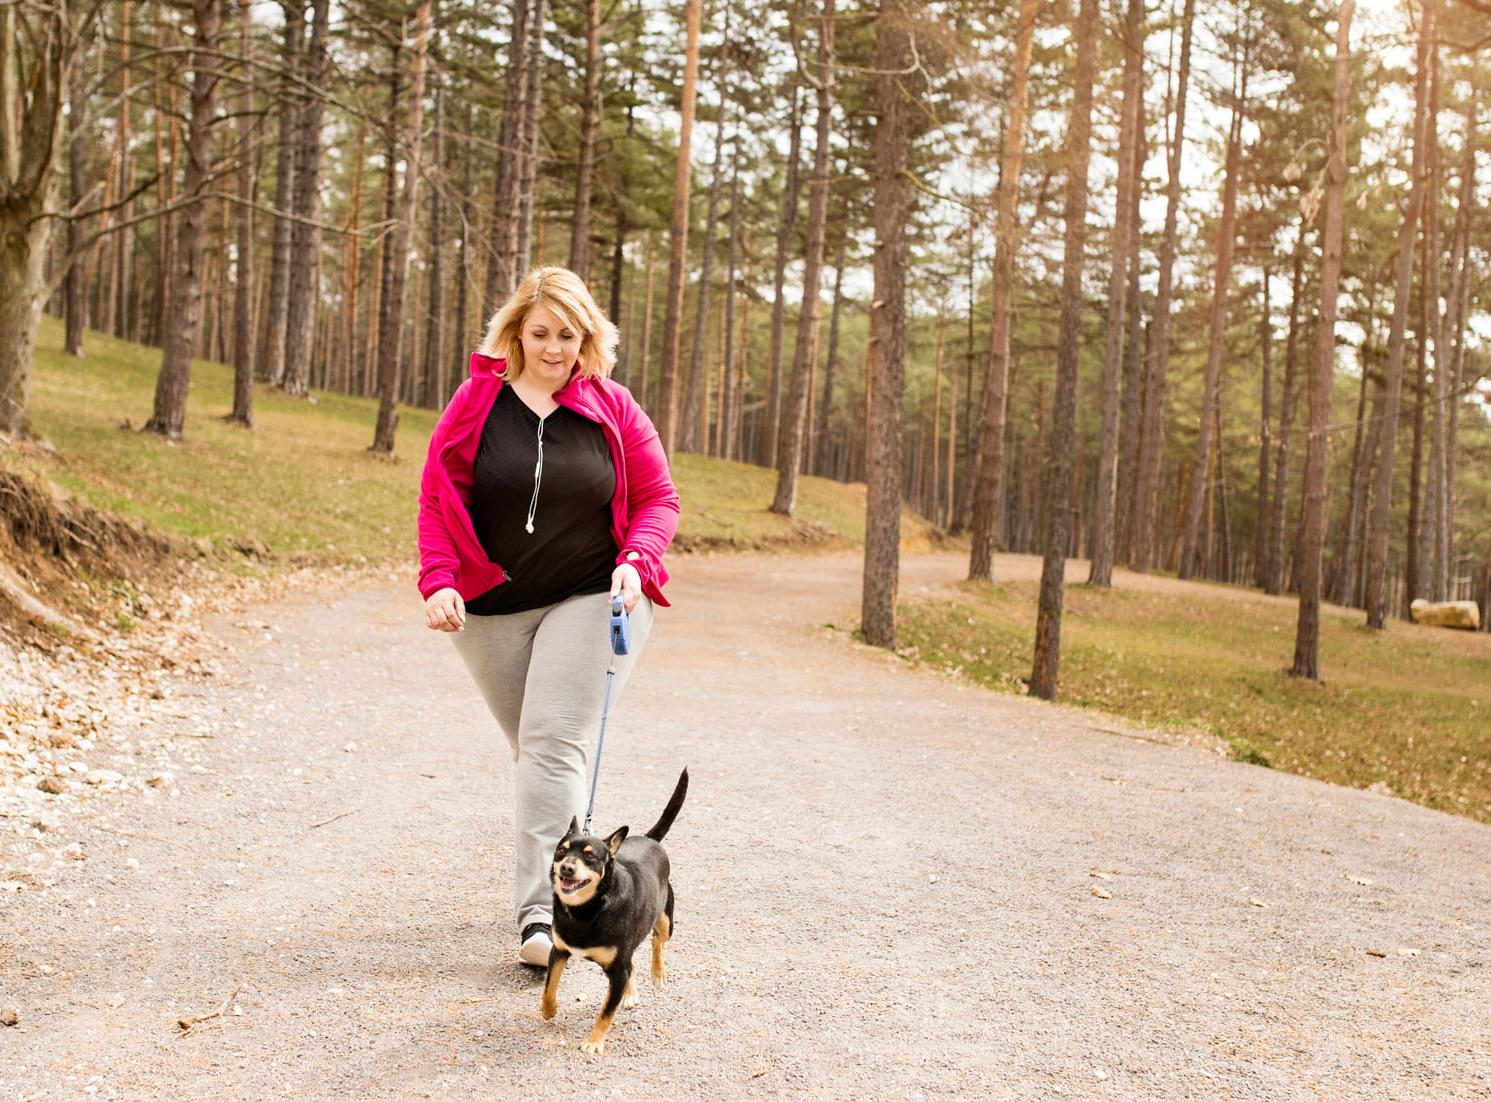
(569,550)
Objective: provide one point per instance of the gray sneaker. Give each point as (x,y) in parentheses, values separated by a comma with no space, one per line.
(534,945)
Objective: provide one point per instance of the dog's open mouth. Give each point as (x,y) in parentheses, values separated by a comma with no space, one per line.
(569,887)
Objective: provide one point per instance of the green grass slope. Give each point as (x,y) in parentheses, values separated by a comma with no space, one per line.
(1407,710)
(303,483)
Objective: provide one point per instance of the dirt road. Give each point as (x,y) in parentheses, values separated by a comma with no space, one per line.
(889,885)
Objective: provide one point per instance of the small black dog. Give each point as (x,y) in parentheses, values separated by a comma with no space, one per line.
(608,895)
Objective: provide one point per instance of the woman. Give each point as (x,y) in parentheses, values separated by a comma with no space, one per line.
(545,493)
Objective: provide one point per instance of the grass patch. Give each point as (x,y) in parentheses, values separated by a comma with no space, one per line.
(303,483)
(1407,711)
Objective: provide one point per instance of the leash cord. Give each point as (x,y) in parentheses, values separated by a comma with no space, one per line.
(600,744)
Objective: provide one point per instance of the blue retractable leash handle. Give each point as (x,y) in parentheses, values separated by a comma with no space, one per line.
(621,641)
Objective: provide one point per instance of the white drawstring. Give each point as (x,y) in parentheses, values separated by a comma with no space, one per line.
(538,475)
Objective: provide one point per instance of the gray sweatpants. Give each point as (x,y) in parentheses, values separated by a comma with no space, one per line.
(543,676)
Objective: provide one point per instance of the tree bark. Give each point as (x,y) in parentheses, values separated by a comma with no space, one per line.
(391,317)
(1265,432)
(1152,434)
(590,113)
(74,288)
(1437,539)
(732,253)
(1125,232)
(818,462)
(272,349)
(305,236)
(123,252)
(679,236)
(532,99)
(243,282)
(794,417)
(1191,553)
(1274,579)
(786,228)
(1059,455)
(691,433)
(502,258)
(1459,283)
(1307,629)
(887,332)
(989,465)
(171,384)
(432,380)
(30,145)
(1382,496)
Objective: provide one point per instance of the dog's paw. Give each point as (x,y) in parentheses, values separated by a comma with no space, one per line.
(659,975)
(593,1048)
(548,1008)
(630,1001)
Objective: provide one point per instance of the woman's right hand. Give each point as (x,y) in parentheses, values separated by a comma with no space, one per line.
(445,611)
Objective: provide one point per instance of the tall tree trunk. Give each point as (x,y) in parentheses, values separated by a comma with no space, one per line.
(305,237)
(391,318)
(818,463)
(1059,454)
(123,251)
(463,266)
(243,282)
(1125,233)
(31,129)
(1152,433)
(989,466)
(272,348)
(1307,630)
(74,285)
(590,113)
(786,229)
(794,416)
(1338,577)
(1382,496)
(1133,384)
(647,299)
(679,236)
(1265,434)
(1437,543)
(887,330)
(532,99)
(186,279)
(502,257)
(1190,558)
(1274,578)
(691,433)
(1459,283)
(432,378)
(732,251)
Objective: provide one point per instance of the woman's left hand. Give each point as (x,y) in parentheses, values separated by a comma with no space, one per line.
(626,581)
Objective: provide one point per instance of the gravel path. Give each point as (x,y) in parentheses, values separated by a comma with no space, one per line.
(890,885)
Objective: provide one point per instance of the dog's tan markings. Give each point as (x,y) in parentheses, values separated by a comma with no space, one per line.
(548,1006)
(629,997)
(604,955)
(589,849)
(662,929)
(559,942)
(595,1044)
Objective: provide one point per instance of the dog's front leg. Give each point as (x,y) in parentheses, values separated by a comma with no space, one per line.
(549,1004)
(620,977)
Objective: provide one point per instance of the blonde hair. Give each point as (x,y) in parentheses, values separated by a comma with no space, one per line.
(566,295)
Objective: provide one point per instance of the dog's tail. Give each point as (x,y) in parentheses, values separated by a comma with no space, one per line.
(660,828)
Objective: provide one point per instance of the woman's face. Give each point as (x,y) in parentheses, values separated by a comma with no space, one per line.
(550,348)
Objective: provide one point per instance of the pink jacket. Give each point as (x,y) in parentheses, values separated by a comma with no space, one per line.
(644,509)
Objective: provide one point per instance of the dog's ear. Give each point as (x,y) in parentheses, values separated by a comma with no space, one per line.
(574,826)
(613,843)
